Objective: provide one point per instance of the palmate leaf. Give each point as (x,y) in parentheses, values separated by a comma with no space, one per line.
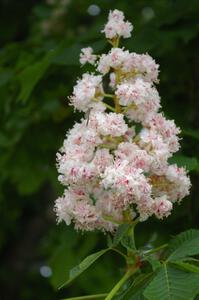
(84,265)
(128,242)
(88,297)
(30,76)
(190,163)
(64,257)
(135,291)
(120,233)
(154,262)
(183,245)
(186,266)
(173,284)
(192,133)
(69,55)
(61,55)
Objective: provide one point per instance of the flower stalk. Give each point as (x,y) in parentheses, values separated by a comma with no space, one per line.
(120,283)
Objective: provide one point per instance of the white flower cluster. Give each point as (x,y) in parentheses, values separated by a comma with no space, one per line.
(116,26)
(114,163)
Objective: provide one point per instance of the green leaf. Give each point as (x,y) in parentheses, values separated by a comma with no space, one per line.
(193,133)
(154,250)
(30,76)
(120,233)
(63,255)
(88,297)
(69,56)
(5,76)
(186,266)
(191,163)
(84,265)
(154,262)
(172,284)
(135,291)
(109,241)
(128,242)
(64,258)
(183,245)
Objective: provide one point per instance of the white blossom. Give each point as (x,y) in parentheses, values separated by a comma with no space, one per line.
(116,159)
(116,26)
(87,56)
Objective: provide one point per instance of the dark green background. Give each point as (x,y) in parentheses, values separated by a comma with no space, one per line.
(40,44)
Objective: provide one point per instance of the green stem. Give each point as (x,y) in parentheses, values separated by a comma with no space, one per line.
(191,259)
(131,232)
(116,42)
(131,106)
(117,105)
(109,106)
(119,252)
(108,95)
(120,283)
(89,297)
(109,218)
(156,249)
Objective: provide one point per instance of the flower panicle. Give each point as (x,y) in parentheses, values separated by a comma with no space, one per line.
(116,159)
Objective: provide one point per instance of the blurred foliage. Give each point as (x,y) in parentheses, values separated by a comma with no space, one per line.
(40,44)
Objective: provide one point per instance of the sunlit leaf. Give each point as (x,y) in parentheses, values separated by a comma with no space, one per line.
(135,291)
(120,233)
(186,266)
(191,163)
(192,133)
(84,265)
(154,262)
(183,245)
(30,76)
(173,284)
